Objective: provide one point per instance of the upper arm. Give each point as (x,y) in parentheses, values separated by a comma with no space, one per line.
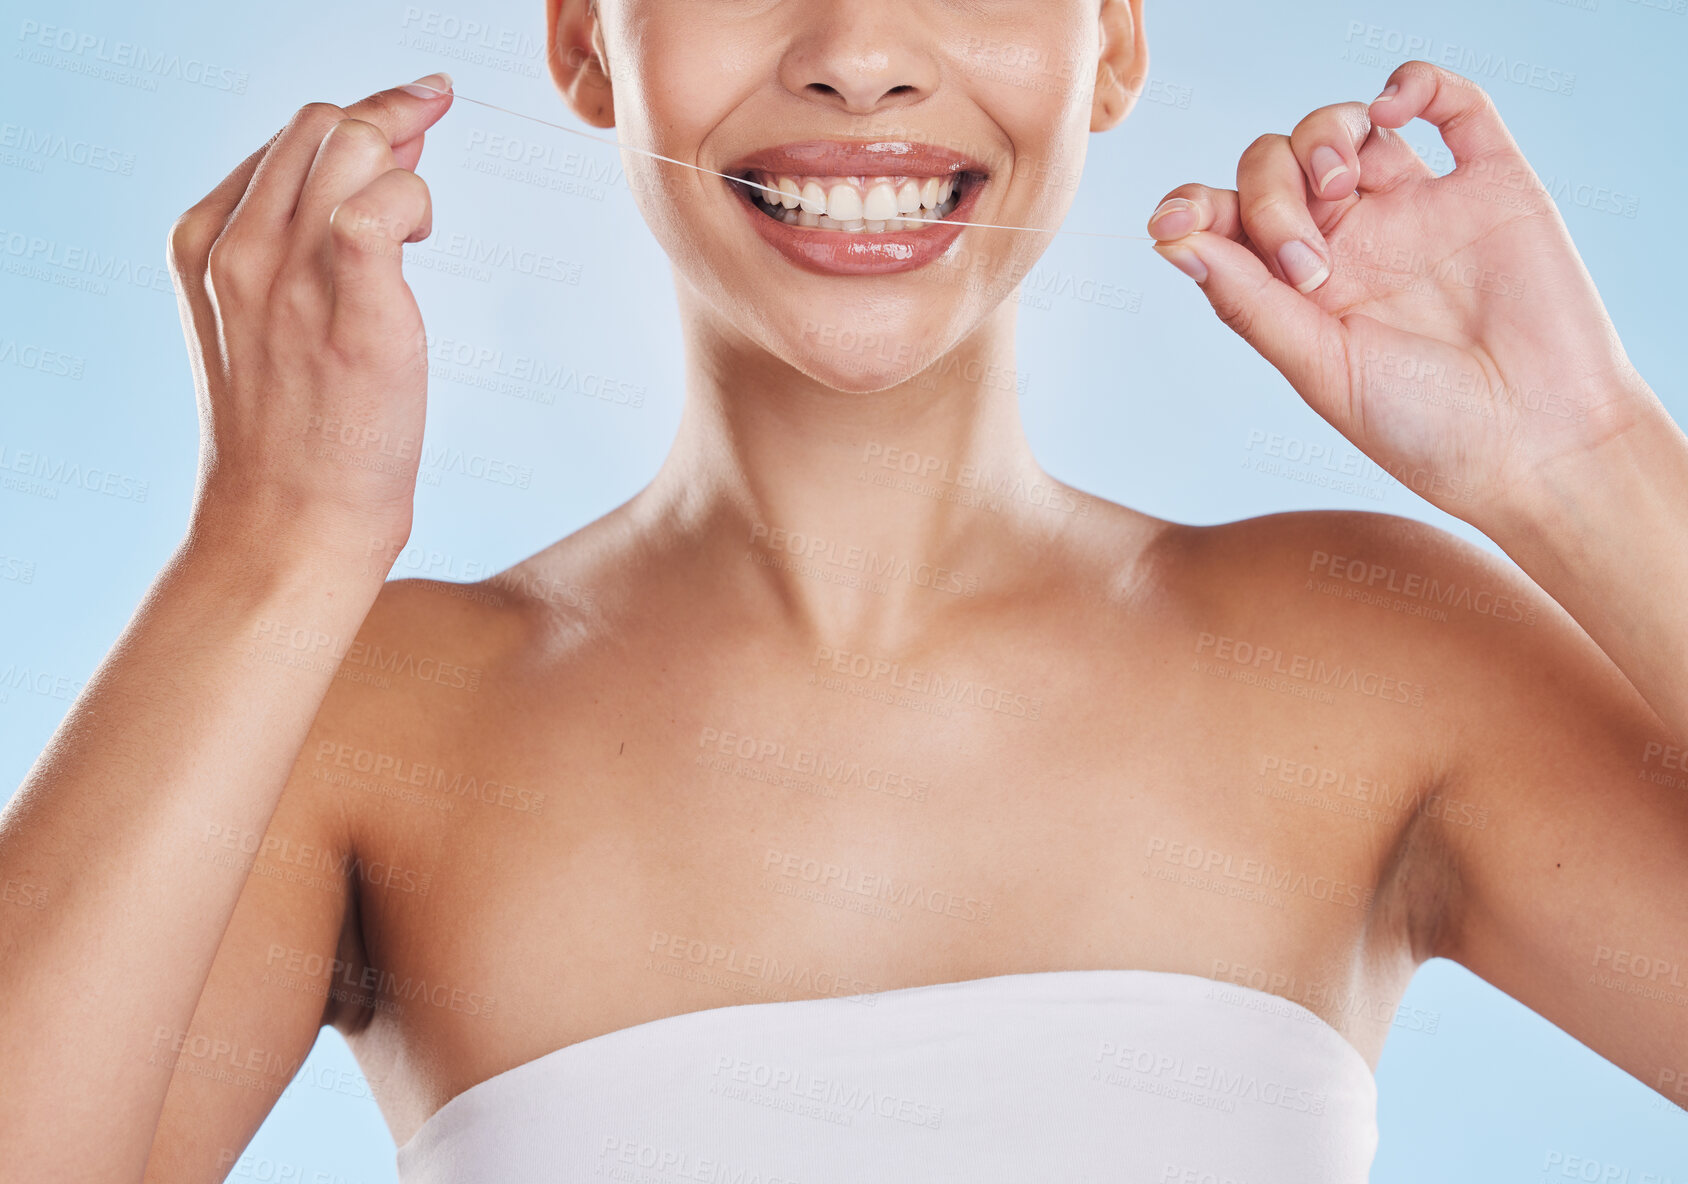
(1572,896)
(291,946)
(264,1000)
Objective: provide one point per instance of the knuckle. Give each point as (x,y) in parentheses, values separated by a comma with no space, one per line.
(1192,191)
(349,221)
(360,133)
(358,141)
(190,239)
(412,190)
(319,117)
(228,262)
(1235,314)
(1264,145)
(380,104)
(1338,117)
(297,293)
(364,227)
(1264,209)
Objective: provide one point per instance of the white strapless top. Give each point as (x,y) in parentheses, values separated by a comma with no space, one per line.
(1077,1076)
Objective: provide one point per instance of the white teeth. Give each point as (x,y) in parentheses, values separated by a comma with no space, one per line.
(857,205)
(844,203)
(881,203)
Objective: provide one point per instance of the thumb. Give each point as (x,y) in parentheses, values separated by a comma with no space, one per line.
(1289,330)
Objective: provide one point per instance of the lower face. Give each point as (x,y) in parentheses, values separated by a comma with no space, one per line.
(863,224)
(837,221)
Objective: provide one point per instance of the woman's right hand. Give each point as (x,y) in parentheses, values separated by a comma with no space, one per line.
(309,356)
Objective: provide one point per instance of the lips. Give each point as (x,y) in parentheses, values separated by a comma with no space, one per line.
(838,207)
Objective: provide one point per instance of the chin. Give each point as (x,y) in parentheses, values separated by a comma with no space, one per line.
(840,348)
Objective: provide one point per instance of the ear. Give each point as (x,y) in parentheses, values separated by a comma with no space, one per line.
(1123,68)
(579,66)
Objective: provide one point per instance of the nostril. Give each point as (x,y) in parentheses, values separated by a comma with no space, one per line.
(865,100)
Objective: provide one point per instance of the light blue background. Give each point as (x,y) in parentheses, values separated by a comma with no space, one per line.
(1152,407)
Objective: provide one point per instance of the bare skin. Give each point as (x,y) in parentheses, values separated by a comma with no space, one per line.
(1095,750)
(1049,830)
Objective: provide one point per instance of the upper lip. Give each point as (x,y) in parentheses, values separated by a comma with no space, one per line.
(857,158)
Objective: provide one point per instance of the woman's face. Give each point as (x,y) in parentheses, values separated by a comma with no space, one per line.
(877,119)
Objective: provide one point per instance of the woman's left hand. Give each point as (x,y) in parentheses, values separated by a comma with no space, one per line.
(1445,325)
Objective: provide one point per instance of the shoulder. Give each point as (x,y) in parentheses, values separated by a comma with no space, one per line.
(429,668)
(1376,583)
(1349,623)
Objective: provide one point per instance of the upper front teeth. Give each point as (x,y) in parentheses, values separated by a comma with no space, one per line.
(844,202)
(881,203)
(850,199)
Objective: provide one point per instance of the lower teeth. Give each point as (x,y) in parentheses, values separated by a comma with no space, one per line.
(772,206)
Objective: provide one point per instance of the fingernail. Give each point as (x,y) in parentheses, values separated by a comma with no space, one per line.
(1176,217)
(1388,93)
(1302,266)
(1185,260)
(430,86)
(1327,165)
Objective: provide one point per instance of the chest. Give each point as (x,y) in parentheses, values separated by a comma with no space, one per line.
(619,857)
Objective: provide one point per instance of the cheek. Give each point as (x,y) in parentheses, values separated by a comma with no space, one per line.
(677,80)
(679,73)
(1037,86)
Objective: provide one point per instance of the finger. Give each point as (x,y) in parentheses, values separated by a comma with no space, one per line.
(408,154)
(1272,193)
(1289,330)
(352,155)
(219,205)
(1327,143)
(1194,207)
(405,112)
(192,234)
(1461,110)
(402,114)
(1387,160)
(367,232)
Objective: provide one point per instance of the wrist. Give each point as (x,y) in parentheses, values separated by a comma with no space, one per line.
(300,555)
(1634,480)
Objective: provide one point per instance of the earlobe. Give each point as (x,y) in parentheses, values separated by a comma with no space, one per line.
(1123,65)
(579,64)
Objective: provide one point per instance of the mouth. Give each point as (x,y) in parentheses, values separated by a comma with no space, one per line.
(842,208)
(858,205)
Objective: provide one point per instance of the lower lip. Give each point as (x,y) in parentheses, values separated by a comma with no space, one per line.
(840,252)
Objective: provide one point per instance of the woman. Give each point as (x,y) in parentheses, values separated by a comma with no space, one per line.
(996,815)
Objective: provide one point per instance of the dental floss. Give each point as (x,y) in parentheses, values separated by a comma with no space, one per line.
(754,185)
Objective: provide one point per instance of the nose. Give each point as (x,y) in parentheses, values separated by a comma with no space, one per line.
(860,56)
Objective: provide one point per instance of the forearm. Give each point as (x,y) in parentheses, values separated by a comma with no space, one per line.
(1606,535)
(184,726)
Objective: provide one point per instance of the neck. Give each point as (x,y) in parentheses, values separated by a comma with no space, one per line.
(853,515)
